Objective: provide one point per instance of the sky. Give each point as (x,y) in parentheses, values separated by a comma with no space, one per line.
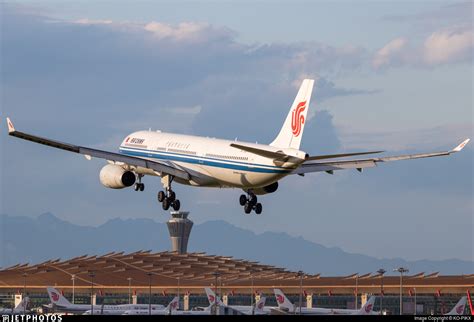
(395,76)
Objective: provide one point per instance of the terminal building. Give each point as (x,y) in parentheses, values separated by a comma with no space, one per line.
(117,278)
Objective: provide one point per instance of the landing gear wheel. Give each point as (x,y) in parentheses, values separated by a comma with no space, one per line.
(171,195)
(247,207)
(253,200)
(136,187)
(166,204)
(161,196)
(142,186)
(242,200)
(258,208)
(176,205)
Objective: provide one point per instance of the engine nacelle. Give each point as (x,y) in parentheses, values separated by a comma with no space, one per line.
(115,177)
(267,189)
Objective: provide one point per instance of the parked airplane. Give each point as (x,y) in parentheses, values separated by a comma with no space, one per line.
(61,304)
(257,309)
(208,162)
(458,309)
(285,304)
(19,309)
(169,310)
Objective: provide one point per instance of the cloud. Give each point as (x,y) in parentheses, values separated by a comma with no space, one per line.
(444,16)
(86,21)
(447,46)
(190,32)
(105,69)
(389,53)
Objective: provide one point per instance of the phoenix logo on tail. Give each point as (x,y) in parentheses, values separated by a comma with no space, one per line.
(368,308)
(297,120)
(280,299)
(55,296)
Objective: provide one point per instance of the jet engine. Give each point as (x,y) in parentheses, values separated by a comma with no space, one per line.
(115,177)
(267,189)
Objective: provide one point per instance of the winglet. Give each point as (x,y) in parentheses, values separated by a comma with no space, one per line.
(461,146)
(11,128)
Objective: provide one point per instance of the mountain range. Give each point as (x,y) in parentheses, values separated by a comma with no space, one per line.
(36,239)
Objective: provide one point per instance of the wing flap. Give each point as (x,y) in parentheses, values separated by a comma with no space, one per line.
(331,166)
(335,156)
(112,156)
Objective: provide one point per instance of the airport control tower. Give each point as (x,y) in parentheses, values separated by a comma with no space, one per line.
(179,227)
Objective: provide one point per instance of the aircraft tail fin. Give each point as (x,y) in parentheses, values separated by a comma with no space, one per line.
(458,309)
(260,304)
(292,130)
(367,308)
(23,304)
(283,302)
(173,305)
(57,298)
(211,296)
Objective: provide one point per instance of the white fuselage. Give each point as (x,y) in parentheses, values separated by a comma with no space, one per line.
(211,162)
(105,309)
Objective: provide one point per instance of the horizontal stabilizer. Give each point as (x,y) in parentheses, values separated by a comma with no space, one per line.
(258,151)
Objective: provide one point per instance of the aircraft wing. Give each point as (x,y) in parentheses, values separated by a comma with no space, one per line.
(89,152)
(360,164)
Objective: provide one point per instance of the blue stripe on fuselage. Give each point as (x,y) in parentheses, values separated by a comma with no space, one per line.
(161,155)
(203,158)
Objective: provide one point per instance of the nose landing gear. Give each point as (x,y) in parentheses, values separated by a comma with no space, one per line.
(249,202)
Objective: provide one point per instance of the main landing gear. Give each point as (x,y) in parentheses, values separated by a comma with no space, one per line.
(139,186)
(167,198)
(249,202)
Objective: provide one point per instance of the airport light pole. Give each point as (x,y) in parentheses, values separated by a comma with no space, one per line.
(301,275)
(252,292)
(91,275)
(357,292)
(381,272)
(149,292)
(216,275)
(73,278)
(414,310)
(129,279)
(24,291)
(179,299)
(401,270)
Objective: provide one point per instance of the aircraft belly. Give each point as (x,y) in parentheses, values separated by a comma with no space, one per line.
(216,176)
(240,179)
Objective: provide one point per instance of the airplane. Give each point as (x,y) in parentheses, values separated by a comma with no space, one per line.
(257,309)
(284,304)
(61,304)
(169,310)
(210,162)
(458,309)
(19,309)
